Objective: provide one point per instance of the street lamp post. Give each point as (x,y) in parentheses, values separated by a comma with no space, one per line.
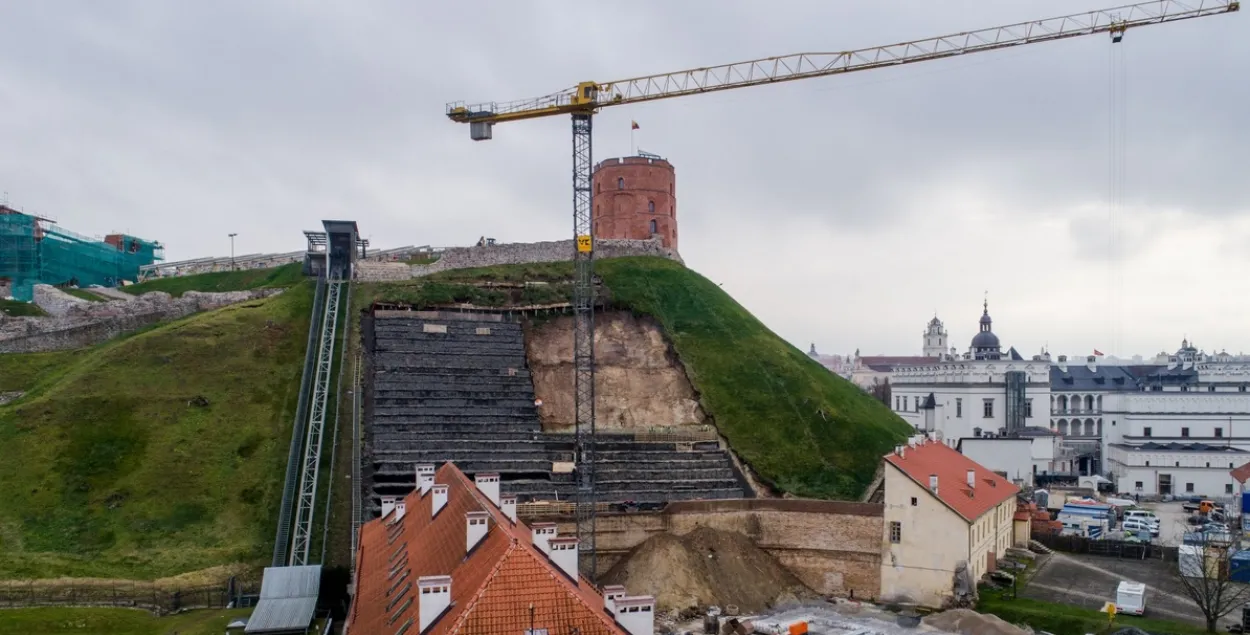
(232,250)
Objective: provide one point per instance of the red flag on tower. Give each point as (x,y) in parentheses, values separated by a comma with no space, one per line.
(633,125)
(1097,353)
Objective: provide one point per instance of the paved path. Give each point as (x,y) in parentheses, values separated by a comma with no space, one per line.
(1091,581)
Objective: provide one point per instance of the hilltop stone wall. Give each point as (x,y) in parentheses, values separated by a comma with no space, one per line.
(75,323)
(550,251)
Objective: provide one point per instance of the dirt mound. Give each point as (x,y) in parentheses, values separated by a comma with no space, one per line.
(706,567)
(969,622)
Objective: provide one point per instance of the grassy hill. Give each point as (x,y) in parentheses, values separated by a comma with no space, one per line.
(163,452)
(796,424)
(284,276)
(155,454)
(800,427)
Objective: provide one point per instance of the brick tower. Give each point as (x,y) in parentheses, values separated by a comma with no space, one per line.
(635,197)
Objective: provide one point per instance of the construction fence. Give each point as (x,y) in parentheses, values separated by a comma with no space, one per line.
(1106,548)
(160,600)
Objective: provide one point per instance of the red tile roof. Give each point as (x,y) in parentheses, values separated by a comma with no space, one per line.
(936,458)
(492,589)
(1242,473)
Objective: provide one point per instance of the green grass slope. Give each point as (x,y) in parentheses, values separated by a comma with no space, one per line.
(13,308)
(800,427)
(114,467)
(284,276)
(807,430)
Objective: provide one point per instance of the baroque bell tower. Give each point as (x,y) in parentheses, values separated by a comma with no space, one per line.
(935,338)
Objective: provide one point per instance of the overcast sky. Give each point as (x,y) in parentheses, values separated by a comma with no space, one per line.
(843,211)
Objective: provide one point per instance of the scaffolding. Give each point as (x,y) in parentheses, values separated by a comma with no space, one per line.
(35,251)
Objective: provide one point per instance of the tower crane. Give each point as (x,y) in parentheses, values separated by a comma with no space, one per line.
(582,101)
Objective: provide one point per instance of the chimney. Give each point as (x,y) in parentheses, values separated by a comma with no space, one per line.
(911,441)
(478,525)
(933,484)
(611,594)
(488,484)
(400,508)
(425,478)
(388,505)
(435,592)
(508,506)
(1091,363)
(563,552)
(440,499)
(1063,363)
(898,449)
(972,478)
(636,614)
(542,532)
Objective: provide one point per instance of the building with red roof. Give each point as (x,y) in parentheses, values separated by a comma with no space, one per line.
(947,522)
(451,558)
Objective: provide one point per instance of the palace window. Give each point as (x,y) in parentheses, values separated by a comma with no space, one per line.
(987,409)
(896,532)
(959,407)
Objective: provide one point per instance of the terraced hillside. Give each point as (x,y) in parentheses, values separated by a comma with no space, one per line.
(155,454)
(799,427)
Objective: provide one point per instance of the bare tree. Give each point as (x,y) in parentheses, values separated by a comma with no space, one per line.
(1204,571)
(881,391)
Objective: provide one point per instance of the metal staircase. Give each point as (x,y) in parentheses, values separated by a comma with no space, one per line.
(283,540)
(319,403)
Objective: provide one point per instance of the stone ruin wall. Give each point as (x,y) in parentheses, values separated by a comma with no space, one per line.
(551,251)
(76,323)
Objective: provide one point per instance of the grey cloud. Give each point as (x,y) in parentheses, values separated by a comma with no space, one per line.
(185,121)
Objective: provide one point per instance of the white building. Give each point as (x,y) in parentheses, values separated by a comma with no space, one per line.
(1018,459)
(947,519)
(1176,468)
(986,391)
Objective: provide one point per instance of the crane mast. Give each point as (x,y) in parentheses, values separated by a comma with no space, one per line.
(586,98)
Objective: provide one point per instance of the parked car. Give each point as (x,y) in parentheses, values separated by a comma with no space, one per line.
(1141,524)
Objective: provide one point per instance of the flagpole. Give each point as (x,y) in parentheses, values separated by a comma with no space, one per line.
(632,146)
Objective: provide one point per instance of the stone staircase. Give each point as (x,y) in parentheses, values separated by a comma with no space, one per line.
(459,390)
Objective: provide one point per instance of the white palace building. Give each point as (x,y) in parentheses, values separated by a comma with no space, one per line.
(1174,427)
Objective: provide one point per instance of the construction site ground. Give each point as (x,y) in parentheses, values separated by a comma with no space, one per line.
(1090,581)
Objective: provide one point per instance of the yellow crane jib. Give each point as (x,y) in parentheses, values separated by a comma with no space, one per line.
(586,97)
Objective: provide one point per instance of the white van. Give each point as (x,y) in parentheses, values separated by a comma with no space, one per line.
(1143,514)
(1130,598)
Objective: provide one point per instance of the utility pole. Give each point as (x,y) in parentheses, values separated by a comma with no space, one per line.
(232,235)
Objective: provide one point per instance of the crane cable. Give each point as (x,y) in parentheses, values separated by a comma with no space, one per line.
(1117,132)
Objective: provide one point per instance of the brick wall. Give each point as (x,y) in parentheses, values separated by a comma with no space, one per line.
(635,198)
(833,547)
(551,251)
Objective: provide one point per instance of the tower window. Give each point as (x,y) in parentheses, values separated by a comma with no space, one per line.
(620,183)
(650,207)
(653,227)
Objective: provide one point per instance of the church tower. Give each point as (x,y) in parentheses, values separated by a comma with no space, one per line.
(935,338)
